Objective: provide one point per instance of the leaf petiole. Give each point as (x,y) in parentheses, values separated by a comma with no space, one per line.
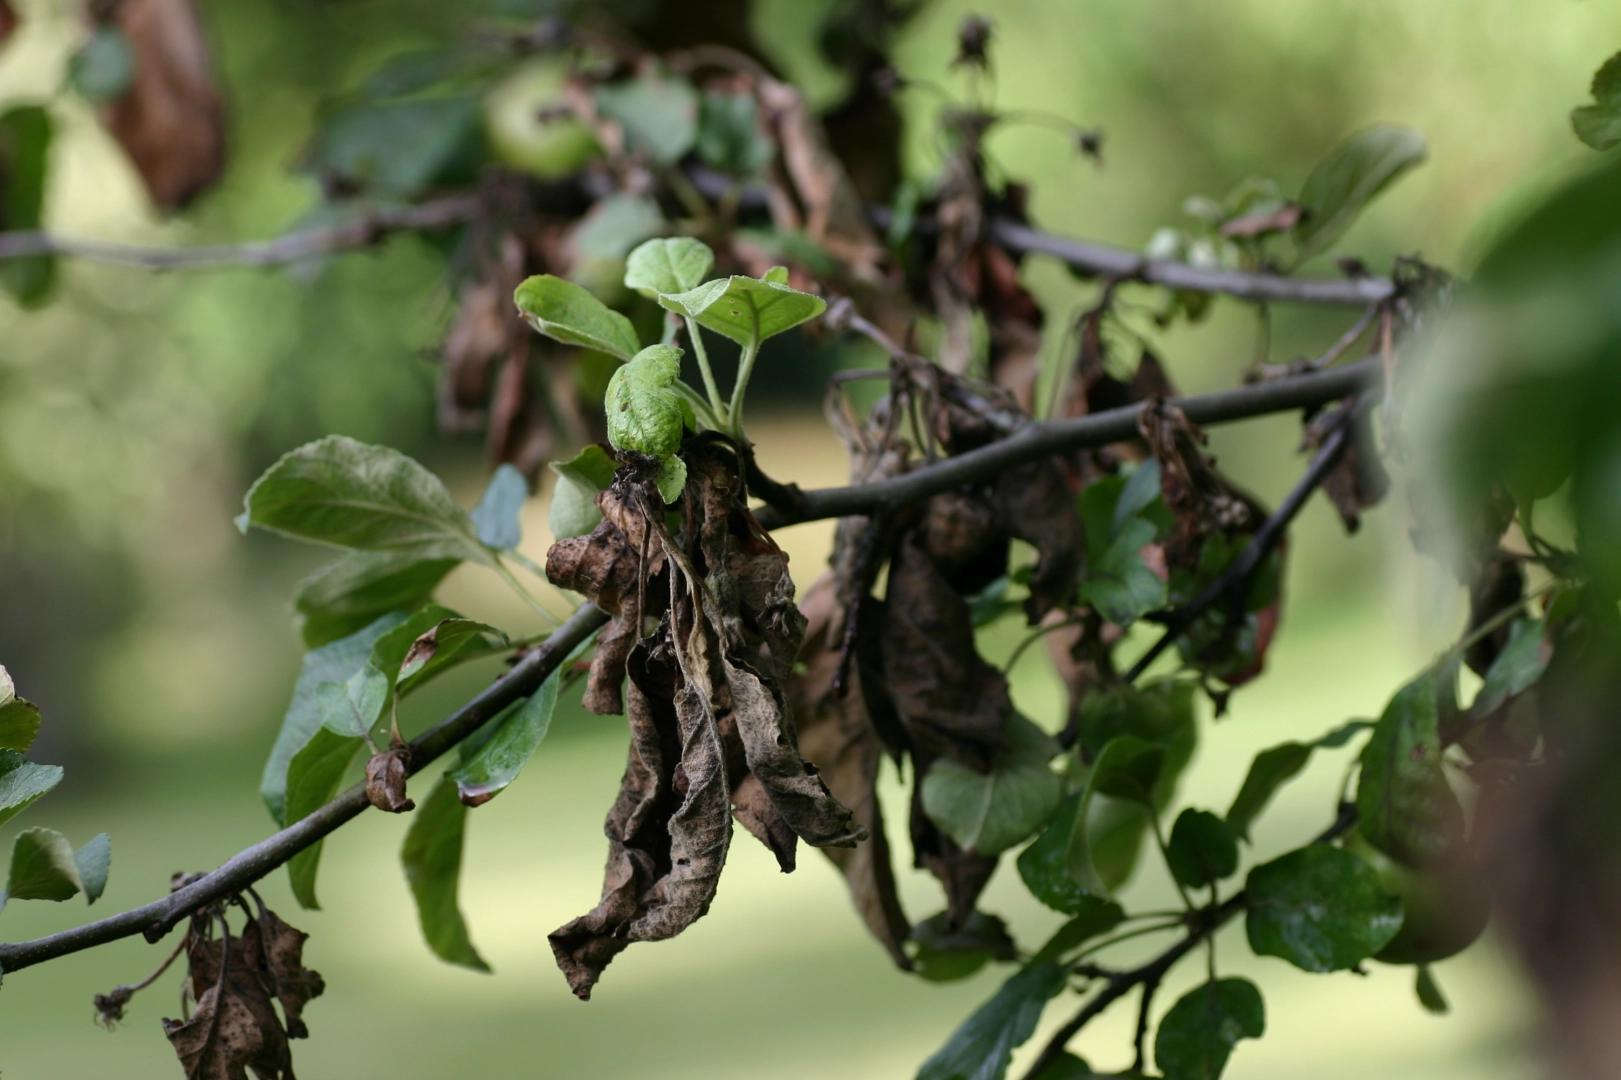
(702,354)
(523,593)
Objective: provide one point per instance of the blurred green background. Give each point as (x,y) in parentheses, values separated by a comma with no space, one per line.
(136,409)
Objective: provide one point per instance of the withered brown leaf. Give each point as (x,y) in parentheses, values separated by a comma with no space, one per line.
(1194,492)
(234,1026)
(386,775)
(1358,480)
(292,983)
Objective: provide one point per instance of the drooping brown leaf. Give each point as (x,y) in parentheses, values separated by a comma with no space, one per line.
(1033,504)
(1358,480)
(386,775)
(753,809)
(1193,491)
(171,121)
(289,980)
(234,1026)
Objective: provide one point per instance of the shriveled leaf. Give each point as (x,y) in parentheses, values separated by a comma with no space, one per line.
(94,860)
(745,309)
(1599,124)
(1405,806)
(659,114)
(1276,766)
(25,141)
(313,777)
(432,857)
(1093,918)
(990,812)
(500,758)
(290,981)
(42,867)
(1202,849)
(574,510)
(1351,176)
(104,66)
(982,1047)
(1197,1035)
(354,705)
(345,596)
(348,494)
(448,642)
(19,718)
(644,413)
(1321,908)
(386,775)
(943,954)
(564,311)
(398,149)
(496,516)
(672,265)
(1517,667)
(22,781)
(234,1027)
(1429,992)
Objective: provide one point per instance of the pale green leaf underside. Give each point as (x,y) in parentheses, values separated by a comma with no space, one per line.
(745,309)
(672,265)
(568,313)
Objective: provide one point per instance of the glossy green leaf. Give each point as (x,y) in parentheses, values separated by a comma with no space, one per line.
(982,1047)
(990,812)
(354,705)
(1093,918)
(19,718)
(313,777)
(432,857)
(1119,585)
(1320,908)
(644,413)
(1197,1035)
(672,265)
(745,309)
(1351,176)
(1517,667)
(401,148)
(104,66)
(1129,769)
(943,955)
(1599,124)
(42,867)
(565,312)
(22,781)
(1202,849)
(1405,806)
(499,760)
(94,861)
(729,135)
(1045,865)
(350,594)
(26,132)
(574,510)
(1276,766)
(1429,992)
(348,494)
(659,114)
(496,517)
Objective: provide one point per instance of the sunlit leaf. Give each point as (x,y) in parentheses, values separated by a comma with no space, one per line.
(1321,908)
(1351,176)
(745,309)
(644,412)
(672,265)
(432,857)
(1197,1035)
(568,313)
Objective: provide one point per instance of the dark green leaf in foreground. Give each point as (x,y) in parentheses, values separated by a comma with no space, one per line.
(943,955)
(1202,849)
(1093,918)
(574,509)
(746,309)
(25,143)
(503,755)
(1276,766)
(349,494)
(1066,1066)
(345,596)
(1197,1035)
(22,781)
(313,777)
(981,1048)
(1320,908)
(1429,991)
(94,861)
(1405,807)
(1599,124)
(672,265)
(42,867)
(1119,584)
(496,516)
(1045,864)
(565,312)
(19,719)
(432,857)
(990,812)
(1350,177)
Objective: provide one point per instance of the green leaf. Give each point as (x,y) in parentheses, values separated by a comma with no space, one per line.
(25,142)
(1599,125)
(1197,1035)
(495,518)
(1141,490)
(313,777)
(644,413)
(498,761)
(659,114)
(21,782)
(19,719)
(1351,176)
(348,595)
(668,266)
(348,494)
(1429,992)
(982,1047)
(565,312)
(745,309)
(104,66)
(1274,767)
(1119,584)
(94,860)
(1045,864)
(729,135)
(1405,807)
(1320,908)
(401,148)
(42,867)
(943,955)
(604,237)
(354,705)
(1202,849)
(989,812)
(1066,1066)
(432,857)
(446,644)
(1093,918)
(672,479)
(574,509)
(1517,667)
(1129,769)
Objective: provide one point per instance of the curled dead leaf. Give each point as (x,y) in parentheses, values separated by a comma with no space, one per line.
(234,1026)
(386,774)
(1358,480)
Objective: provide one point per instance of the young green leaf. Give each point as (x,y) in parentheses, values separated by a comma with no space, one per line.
(1517,667)
(1202,849)
(746,309)
(671,265)
(942,955)
(354,705)
(22,781)
(1429,992)
(672,479)
(432,857)
(1119,585)
(1320,908)
(94,860)
(346,596)
(574,509)
(1405,806)
(496,516)
(1093,918)
(565,312)
(989,812)
(498,761)
(19,718)
(1274,767)
(982,1047)
(1351,176)
(644,413)
(1197,1035)
(659,114)
(42,868)
(25,142)
(1599,124)
(347,494)
(313,777)
(729,135)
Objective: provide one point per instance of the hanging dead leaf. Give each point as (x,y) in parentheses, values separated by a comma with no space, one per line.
(234,1026)
(289,980)
(1358,480)
(386,774)
(1197,495)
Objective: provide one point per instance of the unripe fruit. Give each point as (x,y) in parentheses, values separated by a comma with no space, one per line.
(1445,909)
